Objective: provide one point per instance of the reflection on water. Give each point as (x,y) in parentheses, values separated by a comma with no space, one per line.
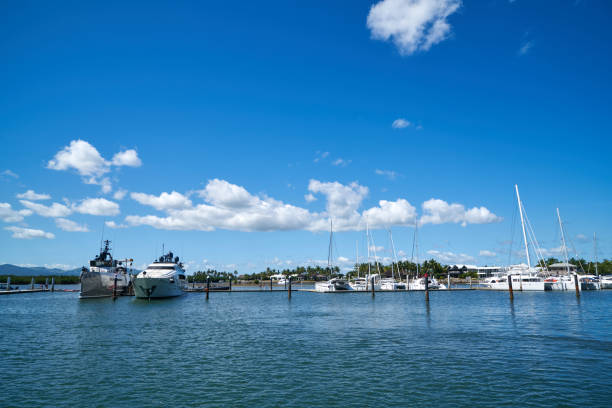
(463,348)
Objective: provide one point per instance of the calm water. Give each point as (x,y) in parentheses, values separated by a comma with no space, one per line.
(470,348)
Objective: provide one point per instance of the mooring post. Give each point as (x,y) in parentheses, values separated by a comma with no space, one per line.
(285,283)
(576,285)
(8,283)
(230,287)
(46,283)
(510,287)
(270,283)
(53,284)
(32,283)
(207,286)
(448,281)
(372,281)
(426,287)
(289,292)
(115,288)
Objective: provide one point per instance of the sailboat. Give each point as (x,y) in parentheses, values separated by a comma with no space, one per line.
(391,283)
(524,277)
(365,283)
(418,283)
(333,284)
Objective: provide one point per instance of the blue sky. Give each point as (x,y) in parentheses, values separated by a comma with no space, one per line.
(267,118)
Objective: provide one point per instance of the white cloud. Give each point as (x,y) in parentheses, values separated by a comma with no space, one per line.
(400,124)
(310,197)
(438,211)
(412,25)
(32,196)
(165,201)
(82,157)
(320,156)
(341,162)
(114,225)
(119,194)
(232,207)
(28,233)
(581,238)
(525,48)
(9,173)
(7,214)
(127,158)
(390,174)
(69,225)
(342,259)
(448,257)
(97,206)
(486,253)
(377,248)
(388,213)
(53,210)
(89,163)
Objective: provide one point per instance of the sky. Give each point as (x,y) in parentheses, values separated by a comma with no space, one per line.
(232,132)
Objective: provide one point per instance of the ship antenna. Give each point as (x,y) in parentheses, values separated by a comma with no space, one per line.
(102,237)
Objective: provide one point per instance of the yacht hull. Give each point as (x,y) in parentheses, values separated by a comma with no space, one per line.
(101,284)
(151,288)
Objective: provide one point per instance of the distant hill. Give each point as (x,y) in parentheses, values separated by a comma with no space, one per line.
(8,269)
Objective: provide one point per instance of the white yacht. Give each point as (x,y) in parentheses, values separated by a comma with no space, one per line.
(605,281)
(419,284)
(105,277)
(365,283)
(163,278)
(391,284)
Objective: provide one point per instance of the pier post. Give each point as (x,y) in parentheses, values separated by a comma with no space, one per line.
(448,281)
(270,283)
(289,292)
(32,283)
(53,284)
(372,281)
(426,287)
(230,287)
(576,285)
(207,287)
(115,287)
(46,283)
(8,283)
(510,287)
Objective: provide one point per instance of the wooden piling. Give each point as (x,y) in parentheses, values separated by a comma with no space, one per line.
(207,287)
(373,292)
(8,283)
(32,283)
(510,287)
(115,288)
(289,292)
(448,282)
(576,285)
(46,283)
(230,286)
(270,284)
(426,288)
(53,284)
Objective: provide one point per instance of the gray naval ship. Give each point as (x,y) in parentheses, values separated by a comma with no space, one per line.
(106,277)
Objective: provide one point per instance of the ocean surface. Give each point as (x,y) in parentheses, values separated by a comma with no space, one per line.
(467,348)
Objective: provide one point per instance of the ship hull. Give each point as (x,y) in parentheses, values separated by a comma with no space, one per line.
(152,288)
(102,284)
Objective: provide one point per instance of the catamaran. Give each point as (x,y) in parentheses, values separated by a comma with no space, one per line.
(333,284)
(523,278)
(106,276)
(365,283)
(163,278)
(391,283)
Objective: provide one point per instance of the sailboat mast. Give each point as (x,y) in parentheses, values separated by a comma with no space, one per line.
(357,248)
(368,245)
(595,249)
(518,198)
(329,250)
(416,243)
(563,240)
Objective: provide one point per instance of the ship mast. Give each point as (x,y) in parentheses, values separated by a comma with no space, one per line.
(563,240)
(518,197)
